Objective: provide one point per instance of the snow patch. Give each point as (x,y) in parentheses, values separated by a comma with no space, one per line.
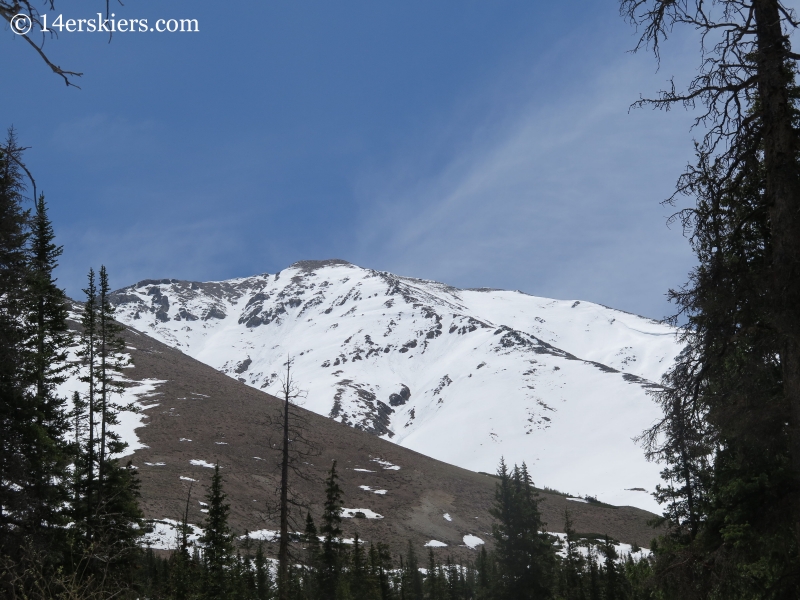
(266,535)
(350,513)
(472,541)
(165,534)
(386,464)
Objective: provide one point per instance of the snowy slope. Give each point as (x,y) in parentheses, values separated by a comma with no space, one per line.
(140,394)
(464,376)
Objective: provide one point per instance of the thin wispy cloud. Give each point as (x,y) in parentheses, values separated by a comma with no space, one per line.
(563,202)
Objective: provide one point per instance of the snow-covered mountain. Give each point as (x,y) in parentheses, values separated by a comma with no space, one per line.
(464,376)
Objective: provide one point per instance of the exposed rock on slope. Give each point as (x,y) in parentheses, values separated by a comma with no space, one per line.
(464,376)
(195,417)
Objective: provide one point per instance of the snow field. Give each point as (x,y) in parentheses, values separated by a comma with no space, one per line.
(483,381)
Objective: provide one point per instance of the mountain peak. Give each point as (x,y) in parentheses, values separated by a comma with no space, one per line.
(313,265)
(463,376)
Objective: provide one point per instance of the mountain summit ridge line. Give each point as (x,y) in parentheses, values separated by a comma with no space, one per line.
(462,375)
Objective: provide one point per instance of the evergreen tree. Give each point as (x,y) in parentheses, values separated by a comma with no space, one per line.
(612,584)
(362,575)
(728,490)
(331,554)
(15,417)
(263,577)
(88,353)
(730,438)
(434,580)
(311,558)
(571,568)
(110,346)
(46,342)
(79,406)
(217,541)
(412,578)
(525,556)
(380,560)
(595,590)
(180,564)
(295,451)
(485,575)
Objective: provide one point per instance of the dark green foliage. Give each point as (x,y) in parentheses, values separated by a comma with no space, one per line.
(109,348)
(525,556)
(264,588)
(218,547)
(88,352)
(332,551)
(729,490)
(17,422)
(730,435)
(572,566)
(34,451)
(46,340)
(411,577)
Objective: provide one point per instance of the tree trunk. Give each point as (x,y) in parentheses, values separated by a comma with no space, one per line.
(103,388)
(283,549)
(90,462)
(783,195)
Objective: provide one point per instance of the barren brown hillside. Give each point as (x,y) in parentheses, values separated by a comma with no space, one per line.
(226,421)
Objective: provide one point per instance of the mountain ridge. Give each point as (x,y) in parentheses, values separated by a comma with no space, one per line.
(415,360)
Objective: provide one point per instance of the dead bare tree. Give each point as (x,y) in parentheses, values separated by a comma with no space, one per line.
(24,19)
(295,451)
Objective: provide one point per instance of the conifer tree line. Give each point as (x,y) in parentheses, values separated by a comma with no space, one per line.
(69,517)
(525,564)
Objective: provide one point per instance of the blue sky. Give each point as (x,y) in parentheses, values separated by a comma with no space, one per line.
(483,144)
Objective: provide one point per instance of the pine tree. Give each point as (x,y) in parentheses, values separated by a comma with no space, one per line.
(362,578)
(412,578)
(612,584)
(88,352)
(331,554)
(296,451)
(47,339)
(485,571)
(381,567)
(217,541)
(78,417)
(15,417)
(263,577)
(525,556)
(734,528)
(594,592)
(110,346)
(434,580)
(311,558)
(572,564)
(181,567)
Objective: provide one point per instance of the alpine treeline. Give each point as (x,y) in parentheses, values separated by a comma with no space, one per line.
(526,563)
(69,518)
